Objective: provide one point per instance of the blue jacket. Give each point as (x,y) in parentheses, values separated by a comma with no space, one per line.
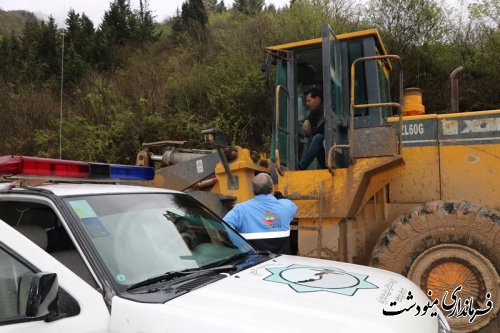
(263,218)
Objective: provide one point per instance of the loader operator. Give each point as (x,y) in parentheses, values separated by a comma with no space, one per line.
(314,126)
(264,220)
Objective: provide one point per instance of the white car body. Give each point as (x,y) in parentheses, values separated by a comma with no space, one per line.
(282,294)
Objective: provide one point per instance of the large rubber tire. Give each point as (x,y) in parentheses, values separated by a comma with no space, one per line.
(441,234)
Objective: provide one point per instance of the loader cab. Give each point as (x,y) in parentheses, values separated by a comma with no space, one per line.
(325,63)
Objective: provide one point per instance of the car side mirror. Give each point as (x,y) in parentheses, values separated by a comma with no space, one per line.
(43,294)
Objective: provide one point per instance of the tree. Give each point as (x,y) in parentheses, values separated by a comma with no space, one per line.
(408,22)
(10,55)
(40,53)
(486,13)
(118,22)
(80,33)
(145,24)
(193,19)
(476,40)
(249,7)
(213,6)
(121,27)
(221,7)
(415,29)
(210,5)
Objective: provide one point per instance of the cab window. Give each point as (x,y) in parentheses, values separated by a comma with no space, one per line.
(355,52)
(383,83)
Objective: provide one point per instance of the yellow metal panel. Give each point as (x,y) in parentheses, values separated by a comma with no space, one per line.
(470,172)
(294,44)
(351,185)
(243,160)
(307,208)
(380,180)
(308,238)
(356,34)
(244,191)
(243,168)
(304,188)
(420,179)
(343,192)
(467,114)
(446,115)
(419,117)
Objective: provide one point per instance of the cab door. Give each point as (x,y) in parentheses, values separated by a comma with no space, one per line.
(336,119)
(81,307)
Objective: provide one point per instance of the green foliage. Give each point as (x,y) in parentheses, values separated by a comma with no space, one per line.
(24,109)
(221,7)
(10,53)
(303,19)
(433,44)
(249,7)
(408,23)
(104,127)
(214,6)
(210,5)
(486,13)
(122,26)
(192,20)
(118,23)
(80,33)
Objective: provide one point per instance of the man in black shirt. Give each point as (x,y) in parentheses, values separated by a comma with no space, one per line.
(314,126)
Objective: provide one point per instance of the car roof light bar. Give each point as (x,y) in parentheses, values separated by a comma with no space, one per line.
(46,167)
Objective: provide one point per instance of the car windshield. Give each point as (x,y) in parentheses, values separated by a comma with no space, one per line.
(140,236)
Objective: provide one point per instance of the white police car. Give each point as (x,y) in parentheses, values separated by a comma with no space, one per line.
(114,258)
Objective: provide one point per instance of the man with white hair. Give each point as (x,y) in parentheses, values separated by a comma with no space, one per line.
(264,220)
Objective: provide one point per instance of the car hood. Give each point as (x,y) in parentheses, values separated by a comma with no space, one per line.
(293,294)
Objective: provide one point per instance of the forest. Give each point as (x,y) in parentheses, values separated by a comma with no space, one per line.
(132,79)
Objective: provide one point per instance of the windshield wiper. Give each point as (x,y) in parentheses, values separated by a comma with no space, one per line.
(183,272)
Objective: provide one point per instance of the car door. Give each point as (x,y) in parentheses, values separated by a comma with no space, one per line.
(81,307)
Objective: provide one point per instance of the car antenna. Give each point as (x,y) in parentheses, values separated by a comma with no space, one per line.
(62,82)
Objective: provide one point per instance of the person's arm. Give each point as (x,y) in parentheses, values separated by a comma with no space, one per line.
(307,127)
(290,207)
(320,128)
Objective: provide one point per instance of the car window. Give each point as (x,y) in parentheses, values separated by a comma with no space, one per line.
(15,279)
(40,224)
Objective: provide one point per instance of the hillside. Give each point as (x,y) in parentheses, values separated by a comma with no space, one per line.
(14,21)
(125,83)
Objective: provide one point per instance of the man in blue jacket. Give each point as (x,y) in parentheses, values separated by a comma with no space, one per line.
(264,220)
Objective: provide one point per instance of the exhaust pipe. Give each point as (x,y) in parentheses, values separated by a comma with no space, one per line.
(454,76)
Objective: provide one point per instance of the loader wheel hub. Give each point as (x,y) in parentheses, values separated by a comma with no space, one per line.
(444,267)
(448,273)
